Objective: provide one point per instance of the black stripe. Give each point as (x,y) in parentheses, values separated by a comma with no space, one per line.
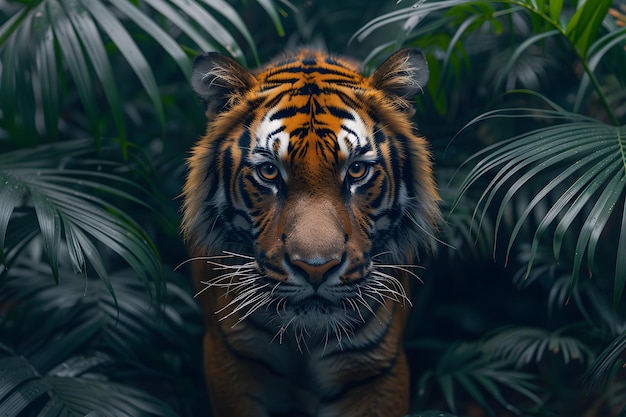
(342,82)
(300,133)
(340,113)
(382,191)
(342,72)
(379,136)
(227,168)
(309,89)
(245,139)
(247,201)
(308,60)
(289,112)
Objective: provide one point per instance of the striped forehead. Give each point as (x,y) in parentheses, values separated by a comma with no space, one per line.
(280,136)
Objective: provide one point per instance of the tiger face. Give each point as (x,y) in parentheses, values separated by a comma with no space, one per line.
(309,188)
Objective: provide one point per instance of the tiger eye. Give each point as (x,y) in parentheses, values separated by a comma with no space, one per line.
(268,171)
(358,170)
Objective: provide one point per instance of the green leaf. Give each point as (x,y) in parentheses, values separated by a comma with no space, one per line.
(61,203)
(48,77)
(583,27)
(596,53)
(217,30)
(555,9)
(71,395)
(230,13)
(596,220)
(11,191)
(583,155)
(94,46)
(50,227)
(158,34)
(587,196)
(559,179)
(595,172)
(601,369)
(71,49)
(126,45)
(163,7)
(620,266)
(402,15)
(270,9)
(527,345)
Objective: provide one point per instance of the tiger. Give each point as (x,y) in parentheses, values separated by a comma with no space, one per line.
(306,204)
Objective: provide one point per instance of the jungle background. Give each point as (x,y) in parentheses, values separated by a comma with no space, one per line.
(520,311)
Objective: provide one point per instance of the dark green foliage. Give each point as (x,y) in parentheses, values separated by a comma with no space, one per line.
(521,311)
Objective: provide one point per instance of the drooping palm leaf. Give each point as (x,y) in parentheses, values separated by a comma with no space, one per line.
(608,362)
(580,166)
(596,53)
(417,11)
(78,313)
(527,345)
(61,343)
(46,36)
(463,366)
(64,198)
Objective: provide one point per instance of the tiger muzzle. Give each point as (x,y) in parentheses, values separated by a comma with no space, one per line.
(315,239)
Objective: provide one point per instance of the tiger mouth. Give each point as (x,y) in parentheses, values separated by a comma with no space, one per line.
(313,303)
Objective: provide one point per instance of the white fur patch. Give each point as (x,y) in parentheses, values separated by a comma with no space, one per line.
(355,135)
(267,135)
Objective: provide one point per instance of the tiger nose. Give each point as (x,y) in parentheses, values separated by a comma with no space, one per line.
(315,270)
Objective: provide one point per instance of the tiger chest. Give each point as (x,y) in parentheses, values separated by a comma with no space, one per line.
(307,375)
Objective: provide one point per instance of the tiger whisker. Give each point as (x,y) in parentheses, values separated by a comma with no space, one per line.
(282,331)
(356,308)
(389,284)
(250,300)
(243,299)
(186,261)
(377,297)
(388,278)
(265,301)
(362,300)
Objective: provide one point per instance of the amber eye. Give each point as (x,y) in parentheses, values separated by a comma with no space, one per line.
(358,170)
(268,171)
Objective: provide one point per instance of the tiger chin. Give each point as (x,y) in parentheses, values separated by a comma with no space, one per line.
(304,207)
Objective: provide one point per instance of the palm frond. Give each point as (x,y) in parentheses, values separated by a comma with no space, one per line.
(24,386)
(527,345)
(596,53)
(464,366)
(45,39)
(580,169)
(63,195)
(608,362)
(416,13)
(63,343)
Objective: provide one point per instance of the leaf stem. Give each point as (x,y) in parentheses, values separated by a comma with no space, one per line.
(578,53)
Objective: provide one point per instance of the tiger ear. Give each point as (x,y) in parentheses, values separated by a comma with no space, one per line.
(403,74)
(219,80)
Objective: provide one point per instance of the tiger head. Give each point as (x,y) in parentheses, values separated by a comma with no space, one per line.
(312,179)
